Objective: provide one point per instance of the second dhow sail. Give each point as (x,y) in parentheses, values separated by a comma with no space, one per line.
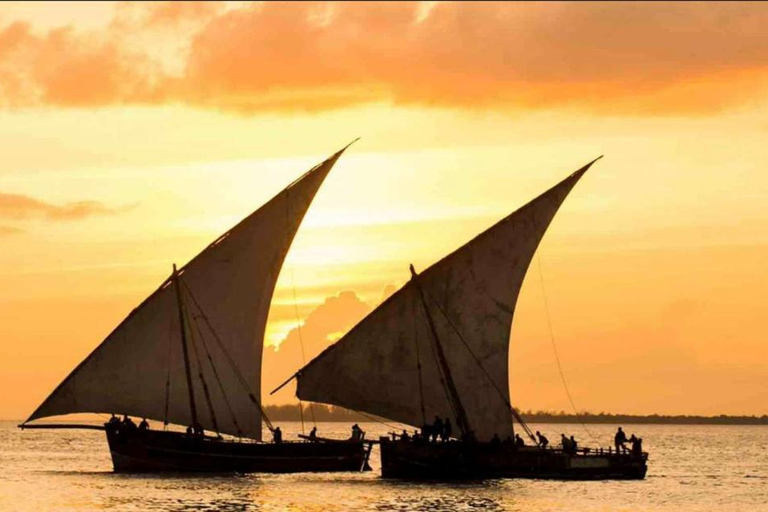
(227,289)
(390,363)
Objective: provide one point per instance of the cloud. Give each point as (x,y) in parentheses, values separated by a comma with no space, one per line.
(322,327)
(636,58)
(21,207)
(10,230)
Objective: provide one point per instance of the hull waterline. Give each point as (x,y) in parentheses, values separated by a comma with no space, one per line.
(457,460)
(151,451)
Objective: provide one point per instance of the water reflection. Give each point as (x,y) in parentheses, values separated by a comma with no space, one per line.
(454,502)
(233,503)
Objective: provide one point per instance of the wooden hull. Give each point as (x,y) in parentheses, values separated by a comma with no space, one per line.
(456,460)
(141,451)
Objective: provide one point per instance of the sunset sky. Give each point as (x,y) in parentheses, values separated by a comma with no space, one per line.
(132,135)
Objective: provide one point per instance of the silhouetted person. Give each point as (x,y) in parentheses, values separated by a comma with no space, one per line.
(357,433)
(508,441)
(447,428)
(313,433)
(277,435)
(566,443)
(495,440)
(189,430)
(144,425)
(519,441)
(619,439)
(574,445)
(437,428)
(404,436)
(543,441)
(636,445)
(114,421)
(128,422)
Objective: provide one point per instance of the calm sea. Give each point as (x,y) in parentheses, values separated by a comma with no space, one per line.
(691,468)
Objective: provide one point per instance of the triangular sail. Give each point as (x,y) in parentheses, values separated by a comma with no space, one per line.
(387,365)
(226,292)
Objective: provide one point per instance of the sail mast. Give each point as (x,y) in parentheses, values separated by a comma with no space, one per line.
(185,350)
(461,414)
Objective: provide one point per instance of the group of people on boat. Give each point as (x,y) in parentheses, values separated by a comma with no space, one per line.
(620,441)
(438,431)
(127,423)
(517,441)
(358,434)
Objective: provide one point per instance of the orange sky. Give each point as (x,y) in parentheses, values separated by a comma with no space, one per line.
(133,134)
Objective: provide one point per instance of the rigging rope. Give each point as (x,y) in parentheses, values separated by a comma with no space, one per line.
(557,355)
(206,392)
(303,355)
(216,375)
(440,371)
(375,419)
(418,368)
(231,361)
(485,372)
(168,379)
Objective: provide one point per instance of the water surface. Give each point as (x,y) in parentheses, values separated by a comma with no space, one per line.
(691,468)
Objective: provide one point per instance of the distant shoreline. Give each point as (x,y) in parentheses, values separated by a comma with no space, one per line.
(325,413)
(336,414)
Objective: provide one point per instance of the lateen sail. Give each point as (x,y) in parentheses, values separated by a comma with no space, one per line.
(471,296)
(226,291)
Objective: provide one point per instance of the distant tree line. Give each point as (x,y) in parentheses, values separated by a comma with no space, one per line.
(318,412)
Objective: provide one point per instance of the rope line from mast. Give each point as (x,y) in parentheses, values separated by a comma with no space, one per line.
(303,354)
(200,375)
(231,361)
(557,355)
(418,366)
(485,372)
(452,394)
(217,376)
(168,378)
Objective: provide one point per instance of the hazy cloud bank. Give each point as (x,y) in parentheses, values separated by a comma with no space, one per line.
(636,58)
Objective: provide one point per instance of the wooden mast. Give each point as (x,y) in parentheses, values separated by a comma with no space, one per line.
(192,405)
(461,414)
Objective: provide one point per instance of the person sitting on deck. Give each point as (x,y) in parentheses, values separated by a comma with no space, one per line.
(574,445)
(543,441)
(437,428)
(637,445)
(357,433)
(619,439)
(519,442)
(128,422)
(313,433)
(566,443)
(404,436)
(277,435)
(144,425)
(495,440)
(445,435)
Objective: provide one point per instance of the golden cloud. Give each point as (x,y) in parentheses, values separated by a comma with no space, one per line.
(20,207)
(632,58)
